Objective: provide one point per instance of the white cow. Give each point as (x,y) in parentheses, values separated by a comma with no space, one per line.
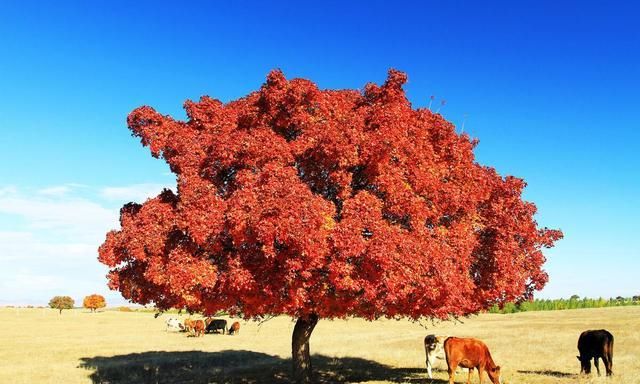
(174,324)
(433,346)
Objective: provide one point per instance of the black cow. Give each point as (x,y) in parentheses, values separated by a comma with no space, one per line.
(595,344)
(214,325)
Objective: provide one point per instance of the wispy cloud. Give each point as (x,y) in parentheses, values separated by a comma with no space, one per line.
(18,247)
(8,190)
(59,190)
(74,217)
(138,192)
(49,238)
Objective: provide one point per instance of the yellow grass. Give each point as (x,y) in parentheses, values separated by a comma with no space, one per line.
(40,346)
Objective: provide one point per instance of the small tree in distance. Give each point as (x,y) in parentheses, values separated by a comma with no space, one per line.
(61,302)
(94,302)
(323,204)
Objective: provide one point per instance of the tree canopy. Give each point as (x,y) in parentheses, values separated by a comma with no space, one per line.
(94,302)
(61,302)
(332,203)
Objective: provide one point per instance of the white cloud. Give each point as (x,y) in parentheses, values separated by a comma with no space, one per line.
(8,190)
(21,246)
(138,192)
(49,239)
(74,217)
(59,190)
(23,287)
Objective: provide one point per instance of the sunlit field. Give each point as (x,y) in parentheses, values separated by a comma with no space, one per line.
(41,346)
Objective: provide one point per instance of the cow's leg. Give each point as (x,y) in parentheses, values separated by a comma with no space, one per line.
(429,365)
(452,371)
(480,373)
(607,364)
(595,362)
(469,376)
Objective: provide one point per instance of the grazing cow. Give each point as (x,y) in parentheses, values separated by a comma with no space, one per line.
(214,325)
(235,328)
(433,346)
(174,324)
(595,344)
(198,328)
(188,325)
(470,353)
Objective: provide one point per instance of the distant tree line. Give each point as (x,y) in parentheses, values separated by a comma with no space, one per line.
(574,302)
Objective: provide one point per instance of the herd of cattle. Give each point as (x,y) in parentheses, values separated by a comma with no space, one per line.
(466,353)
(473,354)
(198,328)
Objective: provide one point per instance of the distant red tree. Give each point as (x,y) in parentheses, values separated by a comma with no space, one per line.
(94,302)
(323,204)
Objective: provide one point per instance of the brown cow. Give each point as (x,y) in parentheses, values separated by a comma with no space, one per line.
(194,327)
(198,328)
(235,328)
(470,353)
(188,325)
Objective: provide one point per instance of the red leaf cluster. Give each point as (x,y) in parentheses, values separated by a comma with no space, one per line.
(295,200)
(94,302)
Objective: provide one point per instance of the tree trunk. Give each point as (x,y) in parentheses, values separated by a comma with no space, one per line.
(60,311)
(300,348)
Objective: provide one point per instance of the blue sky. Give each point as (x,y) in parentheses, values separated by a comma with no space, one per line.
(550,90)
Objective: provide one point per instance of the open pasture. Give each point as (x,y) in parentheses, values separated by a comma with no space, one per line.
(40,346)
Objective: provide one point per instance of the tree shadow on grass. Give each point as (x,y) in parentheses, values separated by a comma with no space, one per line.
(159,367)
(550,373)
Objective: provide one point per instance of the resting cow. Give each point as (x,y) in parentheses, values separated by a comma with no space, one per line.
(213,325)
(470,353)
(235,328)
(594,344)
(174,324)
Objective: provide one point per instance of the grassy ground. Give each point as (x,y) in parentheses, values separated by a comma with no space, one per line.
(40,346)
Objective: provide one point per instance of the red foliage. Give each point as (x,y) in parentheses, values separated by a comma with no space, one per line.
(295,200)
(94,302)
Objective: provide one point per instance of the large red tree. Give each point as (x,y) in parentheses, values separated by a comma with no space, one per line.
(322,204)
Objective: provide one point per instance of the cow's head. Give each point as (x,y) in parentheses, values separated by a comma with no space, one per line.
(494,375)
(433,342)
(585,364)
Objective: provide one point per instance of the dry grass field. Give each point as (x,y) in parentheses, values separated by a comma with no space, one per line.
(40,346)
